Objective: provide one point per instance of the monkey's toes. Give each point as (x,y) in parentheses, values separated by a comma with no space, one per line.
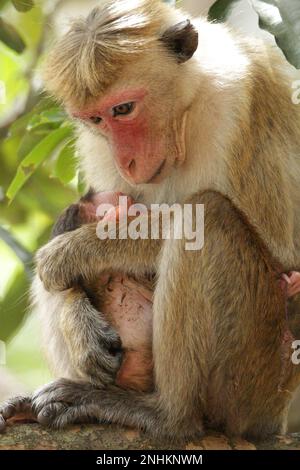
(2,424)
(64,391)
(59,415)
(15,406)
(49,414)
(12,408)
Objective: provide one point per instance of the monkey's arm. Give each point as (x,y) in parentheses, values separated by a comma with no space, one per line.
(94,346)
(82,255)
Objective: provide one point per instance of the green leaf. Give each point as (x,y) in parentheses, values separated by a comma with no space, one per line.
(220,10)
(54,116)
(65,167)
(20,124)
(23,5)
(34,159)
(10,36)
(28,142)
(282,19)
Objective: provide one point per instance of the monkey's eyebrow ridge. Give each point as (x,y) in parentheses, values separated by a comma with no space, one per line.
(110,101)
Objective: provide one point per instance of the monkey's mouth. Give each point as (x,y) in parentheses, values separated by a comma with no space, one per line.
(157,173)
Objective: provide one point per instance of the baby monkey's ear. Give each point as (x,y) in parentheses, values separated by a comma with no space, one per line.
(182,40)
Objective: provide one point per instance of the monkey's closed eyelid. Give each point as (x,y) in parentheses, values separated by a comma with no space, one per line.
(95,119)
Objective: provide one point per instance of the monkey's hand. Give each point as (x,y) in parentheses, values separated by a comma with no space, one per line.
(292,281)
(95,348)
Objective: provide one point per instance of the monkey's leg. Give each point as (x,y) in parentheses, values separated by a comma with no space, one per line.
(77,339)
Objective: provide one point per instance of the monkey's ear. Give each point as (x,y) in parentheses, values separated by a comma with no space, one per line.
(182,40)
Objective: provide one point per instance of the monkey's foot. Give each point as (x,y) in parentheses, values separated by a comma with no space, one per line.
(18,409)
(64,402)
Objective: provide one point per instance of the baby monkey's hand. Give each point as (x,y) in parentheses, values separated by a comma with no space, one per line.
(291,281)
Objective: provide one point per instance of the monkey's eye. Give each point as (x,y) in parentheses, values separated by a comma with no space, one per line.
(123,109)
(95,119)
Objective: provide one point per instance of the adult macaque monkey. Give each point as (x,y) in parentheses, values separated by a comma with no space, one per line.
(165,120)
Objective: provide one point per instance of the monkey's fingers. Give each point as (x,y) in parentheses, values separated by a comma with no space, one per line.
(293,283)
(101,366)
(18,408)
(294,289)
(95,347)
(2,423)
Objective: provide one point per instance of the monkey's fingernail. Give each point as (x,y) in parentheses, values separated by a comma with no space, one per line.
(286,278)
(46,413)
(44,417)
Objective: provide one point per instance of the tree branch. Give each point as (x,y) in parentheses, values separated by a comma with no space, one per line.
(24,255)
(110,437)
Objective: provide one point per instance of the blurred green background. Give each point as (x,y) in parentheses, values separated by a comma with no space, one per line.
(38,176)
(36,149)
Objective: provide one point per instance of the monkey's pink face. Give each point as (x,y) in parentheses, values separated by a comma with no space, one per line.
(144,146)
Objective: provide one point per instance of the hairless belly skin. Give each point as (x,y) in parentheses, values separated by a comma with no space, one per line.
(127,303)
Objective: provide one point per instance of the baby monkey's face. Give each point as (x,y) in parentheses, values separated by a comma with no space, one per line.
(89,205)
(85,211)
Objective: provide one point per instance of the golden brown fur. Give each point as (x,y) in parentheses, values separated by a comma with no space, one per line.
(112,39)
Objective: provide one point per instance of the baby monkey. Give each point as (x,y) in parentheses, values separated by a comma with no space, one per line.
(125,301)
